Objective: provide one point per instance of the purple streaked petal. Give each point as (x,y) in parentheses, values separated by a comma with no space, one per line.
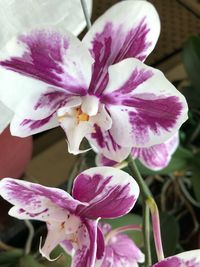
(149,114)
(36,115)
(114,37)
(104,143)
(47,103)
(157,157)
(100,244)
(108,192)
(36,201)
(54,59)
(41,71)
(186,259)
(26,127)
(85,255)
(103,161)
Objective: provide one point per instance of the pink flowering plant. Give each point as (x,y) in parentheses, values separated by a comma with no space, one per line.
(98,90)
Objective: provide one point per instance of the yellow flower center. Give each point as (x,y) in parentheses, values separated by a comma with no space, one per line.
(81,116)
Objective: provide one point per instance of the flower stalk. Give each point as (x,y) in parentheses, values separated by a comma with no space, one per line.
(146,234)
(148,204)
(86,14)
(156,227)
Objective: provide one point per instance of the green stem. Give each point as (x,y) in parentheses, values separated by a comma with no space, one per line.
(30,236)
(136,174)
(86,14)
(146,234)
(149,205)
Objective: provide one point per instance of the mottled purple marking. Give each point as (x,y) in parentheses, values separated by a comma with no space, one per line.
(137,77)
(100,244)
(106,162)
(112,203)
(86,187)
(154,157)
(58,197)
(98,136)
(111,46)
(152,115)
(30,196)
(21,211)
(22,194)
(52,99)
(35,124)
(85,255)
(43,60)
(177,262)
(104,140)
(32,215)
(135,44)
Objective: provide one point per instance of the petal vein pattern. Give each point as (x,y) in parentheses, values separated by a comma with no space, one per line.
(115,37)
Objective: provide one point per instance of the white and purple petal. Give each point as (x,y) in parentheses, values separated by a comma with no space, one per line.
(103,142)
(121,255)
(108,192)
(186,259)
(157,157)
(46,70)
(26,127)
(101,160)
(115,36)
(34,201)
(58,16)
(145,114)
(85,254)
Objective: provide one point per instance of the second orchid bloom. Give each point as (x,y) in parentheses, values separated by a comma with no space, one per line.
(72,222)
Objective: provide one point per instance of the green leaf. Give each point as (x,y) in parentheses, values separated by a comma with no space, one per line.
(126,220)
(170,235)
(191,59)
(192,96)
(29,261)
(63,261)
(10,257)
(179,162)
(196,176)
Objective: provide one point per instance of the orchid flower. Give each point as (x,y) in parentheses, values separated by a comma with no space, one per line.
(155,157)
(185,259)
(101,192)
(98,88)
(18,16)
(120,250)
